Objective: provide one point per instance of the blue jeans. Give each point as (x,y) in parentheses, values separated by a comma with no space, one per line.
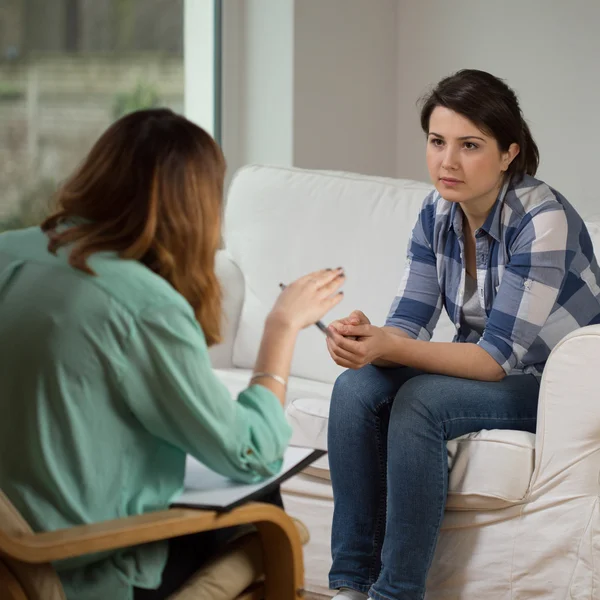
(389,467)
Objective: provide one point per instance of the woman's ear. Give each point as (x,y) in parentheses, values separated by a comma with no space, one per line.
(509,155)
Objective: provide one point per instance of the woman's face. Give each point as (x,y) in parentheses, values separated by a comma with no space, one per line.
(465,164)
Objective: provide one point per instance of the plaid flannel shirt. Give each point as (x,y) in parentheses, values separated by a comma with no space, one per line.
(537,277)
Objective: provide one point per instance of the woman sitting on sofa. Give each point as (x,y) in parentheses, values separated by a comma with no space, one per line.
(512,263)
(106,314)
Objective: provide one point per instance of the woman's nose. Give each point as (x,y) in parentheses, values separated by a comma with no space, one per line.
(450,159)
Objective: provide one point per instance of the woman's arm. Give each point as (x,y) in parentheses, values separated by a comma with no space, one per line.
(170,387)
(382,362)
(302,303)
(275,355)
(381,347)
(418,302)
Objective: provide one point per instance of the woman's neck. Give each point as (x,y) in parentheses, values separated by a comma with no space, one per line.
(477,210)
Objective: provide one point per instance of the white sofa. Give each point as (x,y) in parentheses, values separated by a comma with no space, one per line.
(522,518)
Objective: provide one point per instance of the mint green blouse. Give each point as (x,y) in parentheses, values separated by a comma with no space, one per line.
(105,386)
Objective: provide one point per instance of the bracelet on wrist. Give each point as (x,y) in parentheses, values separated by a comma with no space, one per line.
(277,378)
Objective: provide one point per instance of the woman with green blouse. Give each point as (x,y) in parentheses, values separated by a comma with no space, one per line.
(106,314)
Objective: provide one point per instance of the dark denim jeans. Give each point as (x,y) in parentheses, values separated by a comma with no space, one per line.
(389,467)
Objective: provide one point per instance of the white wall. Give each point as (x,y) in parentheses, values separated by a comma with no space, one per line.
(547,50)
(345,67)
(310,83)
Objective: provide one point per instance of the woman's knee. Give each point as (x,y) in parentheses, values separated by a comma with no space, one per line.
(422,396)
(362,389)
(346,391)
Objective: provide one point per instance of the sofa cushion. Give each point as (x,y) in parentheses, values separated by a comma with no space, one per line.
(488,469)
(282,223)
(237,380)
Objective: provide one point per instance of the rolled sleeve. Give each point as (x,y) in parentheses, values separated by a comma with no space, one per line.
(269,430)
(418,302)
(530,286)
(172,390)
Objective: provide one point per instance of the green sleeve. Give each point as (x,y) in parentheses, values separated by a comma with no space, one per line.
(172,390)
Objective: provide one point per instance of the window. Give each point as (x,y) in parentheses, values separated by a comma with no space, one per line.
(68,68)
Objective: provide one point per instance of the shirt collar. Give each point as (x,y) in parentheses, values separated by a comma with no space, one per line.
(492,223)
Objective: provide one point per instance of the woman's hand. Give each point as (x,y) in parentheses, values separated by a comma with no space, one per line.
(308,299)
(357,317)
(354,346)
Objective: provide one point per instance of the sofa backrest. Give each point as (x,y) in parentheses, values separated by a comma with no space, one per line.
(282,223)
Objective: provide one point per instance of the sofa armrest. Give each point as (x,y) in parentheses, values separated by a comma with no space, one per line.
(232,283)
(568,429)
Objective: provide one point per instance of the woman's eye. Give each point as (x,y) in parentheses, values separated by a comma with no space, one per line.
(471,146)
(437,142)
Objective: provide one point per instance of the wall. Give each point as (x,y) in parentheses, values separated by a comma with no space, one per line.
(257,83)
(267,115)
(345,67)
(547,50)
(310,83)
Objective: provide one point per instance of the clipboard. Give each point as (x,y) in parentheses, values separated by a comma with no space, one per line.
(208,490)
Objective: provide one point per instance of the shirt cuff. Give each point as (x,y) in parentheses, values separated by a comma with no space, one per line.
(270,431)
(506,364)
(416,332)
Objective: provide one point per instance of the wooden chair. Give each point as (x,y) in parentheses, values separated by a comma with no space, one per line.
(25,556)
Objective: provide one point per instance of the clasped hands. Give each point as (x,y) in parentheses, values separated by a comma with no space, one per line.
(354,342)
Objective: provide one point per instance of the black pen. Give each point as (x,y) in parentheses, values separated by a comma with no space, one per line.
(319,324)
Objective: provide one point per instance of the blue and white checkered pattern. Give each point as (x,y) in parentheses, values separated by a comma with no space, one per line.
(537,276)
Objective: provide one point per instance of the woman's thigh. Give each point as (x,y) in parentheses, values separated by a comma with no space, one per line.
(366,390)
(462,406)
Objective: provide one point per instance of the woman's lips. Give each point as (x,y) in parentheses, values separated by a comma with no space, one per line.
(450,182)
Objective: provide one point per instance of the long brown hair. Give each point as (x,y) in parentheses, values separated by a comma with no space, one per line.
(151,190)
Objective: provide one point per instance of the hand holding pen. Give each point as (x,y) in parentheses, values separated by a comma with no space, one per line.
(319,324)
(305,301)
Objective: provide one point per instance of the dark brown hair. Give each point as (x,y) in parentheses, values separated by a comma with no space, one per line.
(493,107)
(151,190)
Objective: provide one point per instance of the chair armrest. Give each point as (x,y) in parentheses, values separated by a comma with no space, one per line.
(232,283)
(130,531)
(568,427)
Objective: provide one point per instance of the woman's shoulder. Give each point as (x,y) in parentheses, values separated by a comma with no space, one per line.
(29,244)
(533,206)
(135,287)
(529,195)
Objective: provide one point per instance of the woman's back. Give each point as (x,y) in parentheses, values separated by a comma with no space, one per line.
(72,449)
(106,314)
